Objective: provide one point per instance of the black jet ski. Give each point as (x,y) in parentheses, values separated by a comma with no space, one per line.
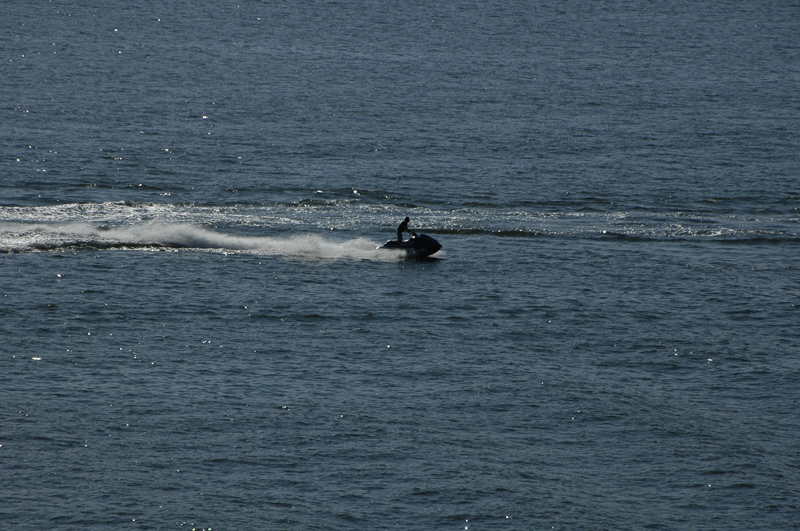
(418,246)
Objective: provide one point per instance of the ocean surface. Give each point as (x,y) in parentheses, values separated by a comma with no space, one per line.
(198,332)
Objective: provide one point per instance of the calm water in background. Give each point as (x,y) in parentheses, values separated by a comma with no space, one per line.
(196,330)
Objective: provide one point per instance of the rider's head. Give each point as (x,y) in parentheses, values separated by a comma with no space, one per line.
(407,220)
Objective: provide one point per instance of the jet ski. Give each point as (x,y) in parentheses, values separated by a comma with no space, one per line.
(418,246)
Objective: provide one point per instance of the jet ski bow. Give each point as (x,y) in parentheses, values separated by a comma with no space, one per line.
(418,246)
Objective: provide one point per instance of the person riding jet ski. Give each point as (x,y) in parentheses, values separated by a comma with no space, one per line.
(418,246)
(404,228)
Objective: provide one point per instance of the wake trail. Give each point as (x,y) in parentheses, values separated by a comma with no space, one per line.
(43,237)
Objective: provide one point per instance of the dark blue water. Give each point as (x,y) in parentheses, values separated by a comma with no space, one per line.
(197,330)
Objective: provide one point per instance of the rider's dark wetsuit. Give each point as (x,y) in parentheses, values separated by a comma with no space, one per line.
(401,229)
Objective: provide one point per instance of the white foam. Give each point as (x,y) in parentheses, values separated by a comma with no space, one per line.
(20,237)
(303,246)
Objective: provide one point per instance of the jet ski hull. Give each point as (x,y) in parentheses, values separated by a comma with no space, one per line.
(418,246)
